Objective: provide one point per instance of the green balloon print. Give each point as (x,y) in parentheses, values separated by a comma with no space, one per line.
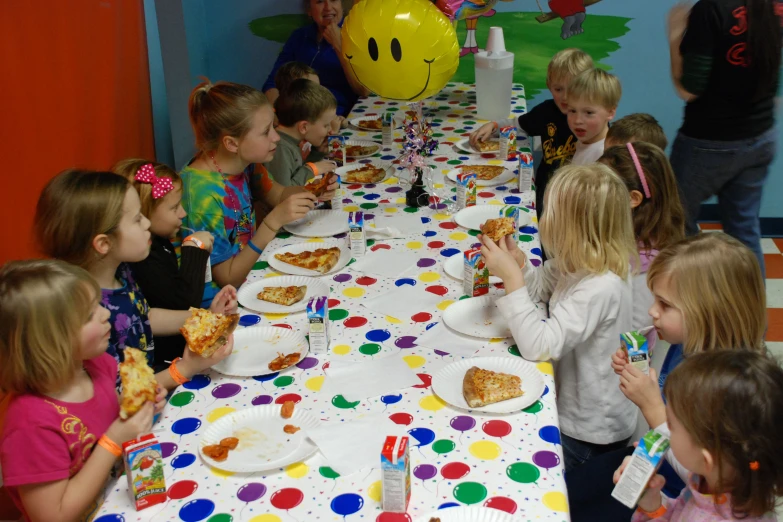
(181,399)
(327,472)
(261,265)
(523,472)
(370,349)
(470,492)
(534,408)
(443,446)
(513,350)
(339,401)
(222,517)
(338,314)
(285,380)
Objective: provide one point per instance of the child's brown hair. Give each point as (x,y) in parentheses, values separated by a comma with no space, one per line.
(222,109)
(304,100)
(659,220)
(291,71)
(128,168)
(731,404)
(637,127)
(73,208)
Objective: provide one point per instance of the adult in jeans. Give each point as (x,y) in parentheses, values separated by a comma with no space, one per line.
(725,61)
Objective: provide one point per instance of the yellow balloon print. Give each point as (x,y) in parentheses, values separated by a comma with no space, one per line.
(414,361)
(545,367)
(414,244)
(393,320)
(220,473)
(353,292)
(429,277)
(485,450)
(374,491)
(555,501)
(341,349)
(458,236)
(445,304)
(275,317)
(219,412)
(432,403)
(297,470)
(266,518)
(314,383)
(315,240)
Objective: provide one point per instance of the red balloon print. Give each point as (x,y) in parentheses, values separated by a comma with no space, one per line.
(402,418)
(296,398)
(333,303)
(286,498)
(366,281)
(393,517)
(355,322)
(383,246)
(182,489)
(437,290)
(426,381)
(286,326)
(421,317)
(436,244)
(454,470)
(448,225)
(496,428)
(501,503)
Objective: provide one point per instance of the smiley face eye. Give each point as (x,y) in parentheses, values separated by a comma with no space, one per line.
(372,47)
(396,50)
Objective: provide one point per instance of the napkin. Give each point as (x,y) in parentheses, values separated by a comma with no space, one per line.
(441,337)
(403,302)
(386,263)
(366,436)
(395,226)
(359,381)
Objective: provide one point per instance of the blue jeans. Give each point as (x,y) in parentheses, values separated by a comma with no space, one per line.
(576,452)
(735,171)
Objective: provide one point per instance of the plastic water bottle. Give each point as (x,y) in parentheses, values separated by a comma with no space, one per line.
(494,78)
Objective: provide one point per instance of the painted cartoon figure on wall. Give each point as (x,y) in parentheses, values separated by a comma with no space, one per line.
(572,12)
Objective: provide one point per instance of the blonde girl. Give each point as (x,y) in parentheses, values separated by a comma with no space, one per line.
(94,220)
(62,429)
(725,411)
(234,130)
(658,217)
(587,229)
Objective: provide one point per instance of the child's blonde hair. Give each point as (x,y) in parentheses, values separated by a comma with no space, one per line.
(567,64)
(73,208)
(659,220)
(731,404)
(637,127)
(128,168)
(596,86)
(222,109)
(716,282)
(586,225)
(43,306)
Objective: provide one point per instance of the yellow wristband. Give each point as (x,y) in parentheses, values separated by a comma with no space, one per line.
(658,513)
(110,446)
(175,375)
(313,167)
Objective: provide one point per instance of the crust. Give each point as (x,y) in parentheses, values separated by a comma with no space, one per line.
(206,343)
(374,124)
(318,186)
(360,150)
(326,259)
(367,174)
(484,172)
(265,295)
(489,146)
(469,390)
(497,229)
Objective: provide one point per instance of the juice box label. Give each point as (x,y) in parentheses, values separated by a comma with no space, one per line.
(635,346)
(337,199)
(143,459)
(508,143)
(318,320)
(336,148)
(466,190)
(475,277)
(356,233)
(395,475)
(526,170)
(645,461)
(512,211)
(387,129)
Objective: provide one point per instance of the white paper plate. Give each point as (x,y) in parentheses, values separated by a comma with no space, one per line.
(504,177)
(298,248)
(369,116)
(454,266)
(477,317)
(475,216)
(256,347)
(319,223)
(363,143)
(248,292)
(465,146)
(263,445)
(342,171)
(468,514)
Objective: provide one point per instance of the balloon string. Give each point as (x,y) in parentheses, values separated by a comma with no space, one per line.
(512,446)
(288,512)
(161,510)
(460,436)
(335,485)
(424,485)
(242,510)
(368,475)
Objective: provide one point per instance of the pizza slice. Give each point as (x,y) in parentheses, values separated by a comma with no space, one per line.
(489,146)
(353,151)
(206,332)
(321,260)
(318,186)
(484,172)
(138,382)
(482,387)
(283,295)
(374,124)
(281,362)
(497,229)
(365,174)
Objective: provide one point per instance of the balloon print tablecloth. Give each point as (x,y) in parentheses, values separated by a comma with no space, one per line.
(508,462)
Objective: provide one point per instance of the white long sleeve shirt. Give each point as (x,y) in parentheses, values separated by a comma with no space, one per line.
(587,314)
(587,154)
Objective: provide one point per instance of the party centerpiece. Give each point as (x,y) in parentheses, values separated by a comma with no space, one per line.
(418,144)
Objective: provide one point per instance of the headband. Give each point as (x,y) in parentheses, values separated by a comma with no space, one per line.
(639,170)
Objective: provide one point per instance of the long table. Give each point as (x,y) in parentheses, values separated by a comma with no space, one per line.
(509,462)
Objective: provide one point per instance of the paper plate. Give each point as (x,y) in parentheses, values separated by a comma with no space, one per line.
(342,171)
(465,146)
(256,347)
(248,292)
(319,223)
(468,514)
(504,177)
(475,216)
(454,266)
(363,144)
(298,248)
(263,445)
(477,317)
(370,116)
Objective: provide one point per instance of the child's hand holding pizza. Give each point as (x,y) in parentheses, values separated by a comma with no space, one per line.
(501,263)
(196,364)
(139,424)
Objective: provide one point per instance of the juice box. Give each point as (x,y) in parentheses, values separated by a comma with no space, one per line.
(336,148)
(395,475)
(512,211)
(356,233)
(337,199)
(143,460)
(508,143)
(318,318)
(466,190)
(635,346)
(475,276)
(387,129)
(526,171)
(645,461)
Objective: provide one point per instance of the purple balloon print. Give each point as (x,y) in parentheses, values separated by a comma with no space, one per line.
(261,399)
(546,459)
(463,423)
(251,492)
(167,449)
(307,363)
(425,471)
(226,390)
(406,341)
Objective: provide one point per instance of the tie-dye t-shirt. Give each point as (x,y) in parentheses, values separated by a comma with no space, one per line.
(223,206)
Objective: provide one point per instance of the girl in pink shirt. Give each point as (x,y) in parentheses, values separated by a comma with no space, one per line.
(725,414)
(62,429)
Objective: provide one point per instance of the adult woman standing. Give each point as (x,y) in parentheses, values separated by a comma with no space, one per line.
(319,46)
(725,62)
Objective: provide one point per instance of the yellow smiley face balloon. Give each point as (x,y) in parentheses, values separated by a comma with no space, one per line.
(400,49)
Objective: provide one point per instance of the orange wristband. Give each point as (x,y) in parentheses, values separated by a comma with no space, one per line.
(178,377)
(313,167)
(495,125)
(658,513)
(110,446)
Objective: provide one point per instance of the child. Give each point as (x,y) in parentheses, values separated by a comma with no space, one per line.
(636,127)
(658,217)
(221,186)
(62,430)
(292,71)
(548,120)
(305,111)
(725,411)
(593,97)
(587,229)
(94,220)
(164,282)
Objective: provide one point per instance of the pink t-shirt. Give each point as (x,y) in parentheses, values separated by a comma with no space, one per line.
(46,440)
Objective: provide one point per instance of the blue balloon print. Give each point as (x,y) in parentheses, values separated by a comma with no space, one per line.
(448,252)
(196,510)
(197,382)
(249,320)
(512,200)
(110,518)
(502,188)
(431,325)
(378,336)
(425,220)
(264,378)
(430,233)
(371,197)
(186,425)
(546,390)
(536,251)
(528,230)
(405,281)
(347,504)
(423,436)
(446,505)
(391,399)
(550,434)
(183,460)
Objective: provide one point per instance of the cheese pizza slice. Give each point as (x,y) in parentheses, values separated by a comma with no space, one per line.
(489,146)
(321,260)
(283,295)
(370,124)
(206,332)
(483,172)
(353,151)
(318,186)
(482,387)
(497,229)
(138,382)
(365,174)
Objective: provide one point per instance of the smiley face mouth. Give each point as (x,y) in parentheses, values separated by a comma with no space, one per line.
(426,83)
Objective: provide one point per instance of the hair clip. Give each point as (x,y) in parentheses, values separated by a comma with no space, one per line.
(754,466)
(639,170)
(160,186)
